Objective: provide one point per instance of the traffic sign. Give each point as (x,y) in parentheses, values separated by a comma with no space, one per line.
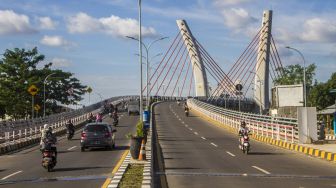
(37,107)
(33,90)
(89,89)
(239,87)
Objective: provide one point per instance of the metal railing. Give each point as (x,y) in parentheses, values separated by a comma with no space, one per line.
(278,128)
(15,131)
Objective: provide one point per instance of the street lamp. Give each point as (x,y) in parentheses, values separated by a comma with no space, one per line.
(44,95)
(260,107)
(147,63)
(304,75)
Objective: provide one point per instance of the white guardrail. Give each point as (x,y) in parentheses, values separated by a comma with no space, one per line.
(279,128)
(24,130)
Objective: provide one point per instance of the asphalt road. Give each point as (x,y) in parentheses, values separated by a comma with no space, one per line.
(74,168)
(196,153)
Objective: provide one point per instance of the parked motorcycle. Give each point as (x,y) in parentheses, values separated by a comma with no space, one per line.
(244,144)
(49,156)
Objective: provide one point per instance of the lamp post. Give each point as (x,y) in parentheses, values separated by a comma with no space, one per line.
(147,48)
(304,75)
(44,93)
(259,80)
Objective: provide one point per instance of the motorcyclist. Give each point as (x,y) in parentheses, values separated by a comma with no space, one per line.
(47,135)
(243,130)
(99,117)
(70,127)
(115,117)
(91,118)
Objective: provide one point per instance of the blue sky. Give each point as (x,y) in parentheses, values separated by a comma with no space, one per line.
(87,37)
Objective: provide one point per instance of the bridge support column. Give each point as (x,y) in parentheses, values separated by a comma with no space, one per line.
(201,83)
(262,68)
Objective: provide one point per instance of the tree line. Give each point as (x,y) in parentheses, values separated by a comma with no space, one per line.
(21,68)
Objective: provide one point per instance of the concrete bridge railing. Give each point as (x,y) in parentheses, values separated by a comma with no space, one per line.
(24,130)
(278,128)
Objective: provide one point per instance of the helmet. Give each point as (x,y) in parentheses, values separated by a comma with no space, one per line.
(46,126)
(243,124)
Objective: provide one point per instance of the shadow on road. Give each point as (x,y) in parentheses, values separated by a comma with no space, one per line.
(264,153)
(76,168)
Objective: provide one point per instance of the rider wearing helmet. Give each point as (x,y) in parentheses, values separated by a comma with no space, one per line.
(48,136)
(243,129)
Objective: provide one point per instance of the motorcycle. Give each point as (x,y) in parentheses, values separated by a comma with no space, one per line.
(115,121)
(49,156)
(244,144)
(70,134)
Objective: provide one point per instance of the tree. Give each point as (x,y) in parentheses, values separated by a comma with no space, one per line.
(20,69)
(293,74)
(319,95)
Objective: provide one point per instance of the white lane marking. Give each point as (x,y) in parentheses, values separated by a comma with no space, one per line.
(10,175)
(182,122)
(262,170)
(244,174)
(233,155)
(186,125)
(72,148)
(214,144)
(196,133)
(179,119)
(190,129)
(203,138)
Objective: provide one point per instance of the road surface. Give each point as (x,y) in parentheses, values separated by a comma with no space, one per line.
(192,152)
(74,168)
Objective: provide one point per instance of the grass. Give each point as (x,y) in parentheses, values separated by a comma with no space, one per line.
(132,178)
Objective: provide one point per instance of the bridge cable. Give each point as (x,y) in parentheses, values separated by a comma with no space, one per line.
(177,81)
(185,77)
(171,65)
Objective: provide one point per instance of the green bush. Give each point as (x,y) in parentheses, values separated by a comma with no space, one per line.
(140,129)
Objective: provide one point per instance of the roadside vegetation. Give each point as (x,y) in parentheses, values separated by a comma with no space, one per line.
(133,176)
(318,93)
(21,68)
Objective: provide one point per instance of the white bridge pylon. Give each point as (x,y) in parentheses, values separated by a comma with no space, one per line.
(200,78)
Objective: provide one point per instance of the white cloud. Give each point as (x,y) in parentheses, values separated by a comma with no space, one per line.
(13,23)
(113,25)
(47,23)
(237,18)
(319,30)
(60,62)
(228,2)
(55,41)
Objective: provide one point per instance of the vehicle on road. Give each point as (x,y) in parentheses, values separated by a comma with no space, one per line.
(244,144)
(97,135)
(133,108)
(70,134)
(49,155)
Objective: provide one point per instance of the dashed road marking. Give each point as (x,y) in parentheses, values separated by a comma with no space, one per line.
(214,144)
(203,138)
(190,129)
(196,133)
(233,155)
(262,170)
(10,175)
(71,148)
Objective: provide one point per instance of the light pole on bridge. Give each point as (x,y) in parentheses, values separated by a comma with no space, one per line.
(259,80)
(147,48)
(44,93)
(304,75)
